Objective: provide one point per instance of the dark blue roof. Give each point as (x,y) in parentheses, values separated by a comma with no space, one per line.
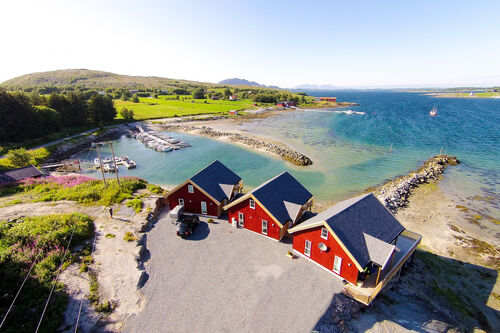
(280,194)
(212,177)
(15,175)
(353,218)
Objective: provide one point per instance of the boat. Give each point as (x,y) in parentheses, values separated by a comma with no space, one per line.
(97,163)
(129,164)
(107,160)
(434,111)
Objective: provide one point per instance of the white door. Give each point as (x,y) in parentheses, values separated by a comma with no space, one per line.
(337,263)
(307,248)
(264,227)
(241,220)
(203,207)
(181,201)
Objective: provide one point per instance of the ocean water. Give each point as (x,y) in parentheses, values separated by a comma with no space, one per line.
(353,151)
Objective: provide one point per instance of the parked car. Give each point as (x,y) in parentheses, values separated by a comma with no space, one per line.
(187,226)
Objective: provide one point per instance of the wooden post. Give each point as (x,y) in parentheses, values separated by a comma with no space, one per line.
(100,163)
(378,275)
(114,163)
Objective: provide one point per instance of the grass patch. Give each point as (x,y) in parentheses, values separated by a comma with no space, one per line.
(21,242)
(163,107)
(129,237)
(462,208)
(136,204)
(155,189)
(109,235)
(36,157)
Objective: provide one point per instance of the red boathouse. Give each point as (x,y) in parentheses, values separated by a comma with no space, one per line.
(272,208)
(351,239)
(208,191)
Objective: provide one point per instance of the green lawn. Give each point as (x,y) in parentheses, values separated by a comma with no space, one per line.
(163,107)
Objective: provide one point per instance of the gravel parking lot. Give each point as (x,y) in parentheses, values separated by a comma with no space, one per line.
(228,280)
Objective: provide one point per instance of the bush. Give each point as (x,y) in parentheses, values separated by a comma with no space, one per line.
(129,237)
(127,114)
(155,189)
(136,204)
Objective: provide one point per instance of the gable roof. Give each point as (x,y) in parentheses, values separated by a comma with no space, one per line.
(282,196)
(217,180)
(363,225)
(15,175)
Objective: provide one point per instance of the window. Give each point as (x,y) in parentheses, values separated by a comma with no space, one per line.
(181,201)
(252,204)
(264,227)
(337,263)
(241,219)
(190,188)
(307,248)
(203,207)
(324,233)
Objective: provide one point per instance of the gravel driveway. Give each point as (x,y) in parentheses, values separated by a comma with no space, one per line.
(228,280)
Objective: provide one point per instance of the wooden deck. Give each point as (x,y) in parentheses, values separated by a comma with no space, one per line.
(407,243)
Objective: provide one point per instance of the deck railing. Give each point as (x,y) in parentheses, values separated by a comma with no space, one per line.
(366,295)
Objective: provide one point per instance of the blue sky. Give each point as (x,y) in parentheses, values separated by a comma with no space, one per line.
(285,43)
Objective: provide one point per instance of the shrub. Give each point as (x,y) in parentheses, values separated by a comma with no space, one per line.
(129,237)
(108,235)
(136,204)
(155,189)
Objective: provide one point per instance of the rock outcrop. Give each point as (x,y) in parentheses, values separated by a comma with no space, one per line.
(394,194)
(286,153)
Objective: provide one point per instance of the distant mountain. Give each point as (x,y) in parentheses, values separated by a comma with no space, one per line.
(241,82)
(94,79)
(316,86)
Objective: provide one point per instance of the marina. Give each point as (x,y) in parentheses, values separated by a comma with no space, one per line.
(159,141)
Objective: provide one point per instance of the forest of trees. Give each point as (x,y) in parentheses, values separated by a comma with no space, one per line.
(28,115)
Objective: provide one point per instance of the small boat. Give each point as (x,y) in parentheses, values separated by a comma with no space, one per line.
(433,112)
(129,164)
(107,160)
(97,163)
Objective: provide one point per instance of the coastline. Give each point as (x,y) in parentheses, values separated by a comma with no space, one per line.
(459,95)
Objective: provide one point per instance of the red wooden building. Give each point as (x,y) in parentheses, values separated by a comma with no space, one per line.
(352,238)
(328,99)
(208,191)
(272,208)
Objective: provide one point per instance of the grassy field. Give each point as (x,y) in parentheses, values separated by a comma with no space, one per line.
(162,107)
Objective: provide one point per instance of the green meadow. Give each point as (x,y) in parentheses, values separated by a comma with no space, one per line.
(165,106)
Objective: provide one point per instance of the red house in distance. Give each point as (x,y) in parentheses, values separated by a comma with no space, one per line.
(207,191)
(328,99)
(272,208)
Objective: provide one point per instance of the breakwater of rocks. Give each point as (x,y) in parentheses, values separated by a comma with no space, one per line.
(394,194)
(284,152)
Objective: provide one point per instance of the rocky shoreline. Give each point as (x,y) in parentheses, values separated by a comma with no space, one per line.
(394,194)
(286,153)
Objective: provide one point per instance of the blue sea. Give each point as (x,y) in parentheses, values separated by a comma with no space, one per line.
(352,152)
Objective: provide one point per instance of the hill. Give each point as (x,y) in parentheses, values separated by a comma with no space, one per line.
(94,79)
(240,82)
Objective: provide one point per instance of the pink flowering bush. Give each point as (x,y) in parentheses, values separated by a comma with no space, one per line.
(64,181)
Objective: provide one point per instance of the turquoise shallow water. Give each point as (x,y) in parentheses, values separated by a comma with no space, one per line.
(353,152)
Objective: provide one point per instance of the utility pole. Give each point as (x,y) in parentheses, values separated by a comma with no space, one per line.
(114,163)
(100,163)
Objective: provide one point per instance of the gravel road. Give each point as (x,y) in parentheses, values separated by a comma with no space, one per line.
(228,280)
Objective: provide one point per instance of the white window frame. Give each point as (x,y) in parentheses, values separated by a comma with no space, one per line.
(265,227)
(337,260)
(307,249)
(324,230)
(190,188)
(181,201)
(241,219)
(206,207)
(252,203)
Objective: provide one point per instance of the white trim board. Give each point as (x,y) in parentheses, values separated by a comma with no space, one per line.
(326,269)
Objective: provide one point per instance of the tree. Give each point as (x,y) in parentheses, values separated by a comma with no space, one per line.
(199,94)
(227,93)
(100,109)
(19,157)
(135,99)
(127,114)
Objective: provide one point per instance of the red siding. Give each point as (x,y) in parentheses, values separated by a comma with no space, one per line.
(192,201)
(254,217)
(348,270)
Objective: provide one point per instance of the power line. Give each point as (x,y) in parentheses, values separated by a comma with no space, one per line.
(55,280)
(81,302)
(19,291)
